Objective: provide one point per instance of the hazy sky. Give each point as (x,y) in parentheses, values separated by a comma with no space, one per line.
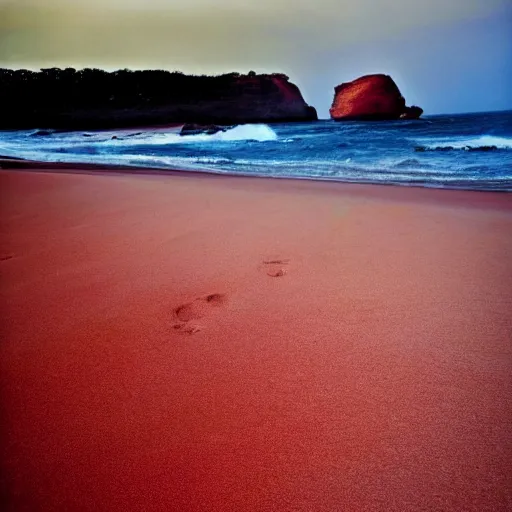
(445,55)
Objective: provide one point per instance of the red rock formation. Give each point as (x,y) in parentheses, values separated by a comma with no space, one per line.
(263,98)
(371,97)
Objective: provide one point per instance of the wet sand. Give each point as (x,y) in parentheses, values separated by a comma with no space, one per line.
(202,343)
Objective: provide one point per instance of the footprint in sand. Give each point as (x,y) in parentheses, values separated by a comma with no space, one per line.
(275,267)
(188,313)
(188,328)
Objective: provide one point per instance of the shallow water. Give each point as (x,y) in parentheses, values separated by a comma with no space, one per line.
(470,151)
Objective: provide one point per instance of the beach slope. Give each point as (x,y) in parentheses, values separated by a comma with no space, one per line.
(202,343)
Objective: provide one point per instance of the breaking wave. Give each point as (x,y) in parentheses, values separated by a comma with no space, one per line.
(482,143)
(248,132)
(240,133)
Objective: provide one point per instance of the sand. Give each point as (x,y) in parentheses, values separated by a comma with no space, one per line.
(202,343)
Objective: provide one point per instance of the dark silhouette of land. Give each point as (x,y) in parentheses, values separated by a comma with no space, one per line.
(93,98)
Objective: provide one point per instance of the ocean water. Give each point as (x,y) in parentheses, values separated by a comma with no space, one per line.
(470,151)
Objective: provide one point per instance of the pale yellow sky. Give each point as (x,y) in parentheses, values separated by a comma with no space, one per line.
(206,35)
(296,37)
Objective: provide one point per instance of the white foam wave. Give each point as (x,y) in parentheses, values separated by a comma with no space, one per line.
(247,132)
(214,160)
(463,143)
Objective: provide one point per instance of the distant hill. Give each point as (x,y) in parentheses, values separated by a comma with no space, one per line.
(93,98)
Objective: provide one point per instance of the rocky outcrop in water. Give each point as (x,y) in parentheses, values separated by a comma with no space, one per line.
(413,112)
(94,99)
(371,97)
(199,129)
(482,149)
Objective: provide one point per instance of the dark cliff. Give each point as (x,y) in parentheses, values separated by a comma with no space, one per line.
(92,98)
(371,97)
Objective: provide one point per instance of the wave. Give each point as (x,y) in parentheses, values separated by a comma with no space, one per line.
(409,163)
(378,172)
(214,161)
(323,150)
(41,133)
(248,132)
(482,143)
(245,132)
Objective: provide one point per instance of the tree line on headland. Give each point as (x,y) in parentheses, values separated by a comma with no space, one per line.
(69,98)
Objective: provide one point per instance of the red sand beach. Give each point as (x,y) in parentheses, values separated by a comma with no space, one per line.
(202,343)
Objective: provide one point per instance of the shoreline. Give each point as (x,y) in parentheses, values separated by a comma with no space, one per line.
(74,167)
(200,342)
